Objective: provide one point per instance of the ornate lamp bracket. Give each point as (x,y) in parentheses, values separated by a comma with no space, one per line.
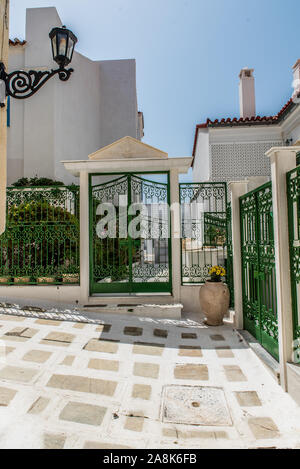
(21,84)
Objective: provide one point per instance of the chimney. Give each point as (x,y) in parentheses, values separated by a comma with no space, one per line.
(296,81)
(247,93)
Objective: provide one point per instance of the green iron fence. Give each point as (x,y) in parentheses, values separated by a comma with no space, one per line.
(258,267)
(204,229)
(41,241)
(293,194)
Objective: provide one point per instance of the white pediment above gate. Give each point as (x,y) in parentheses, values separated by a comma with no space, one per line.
(128,148)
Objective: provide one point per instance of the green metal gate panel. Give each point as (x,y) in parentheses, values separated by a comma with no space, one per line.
(229,263)
(204,232)
(293,194)
(258,267)
(123,263)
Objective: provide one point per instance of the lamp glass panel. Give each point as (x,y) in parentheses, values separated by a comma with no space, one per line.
(62,43)
(70,48)
(54,46)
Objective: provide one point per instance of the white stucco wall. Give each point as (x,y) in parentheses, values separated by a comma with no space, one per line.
(119,113)
(291,126)
(201,170)
(190,299)
(234,153)
(97,106)
(15,134)
(238,160)
(239,152)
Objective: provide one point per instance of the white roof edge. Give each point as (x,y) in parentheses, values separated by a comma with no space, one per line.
(182,164)
(295,148)
(175,158)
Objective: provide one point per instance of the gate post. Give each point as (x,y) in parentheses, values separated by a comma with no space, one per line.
(175,234)
(84,238)
(237,190)
(283,159)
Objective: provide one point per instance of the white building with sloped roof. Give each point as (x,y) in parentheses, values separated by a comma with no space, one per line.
(66,121)
(234,149)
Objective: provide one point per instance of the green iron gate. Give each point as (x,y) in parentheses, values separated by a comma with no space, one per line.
(293,193)
(258,267)
(229,263)
(130,249)
(204,231)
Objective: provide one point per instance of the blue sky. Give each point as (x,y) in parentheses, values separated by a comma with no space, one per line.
(189,54)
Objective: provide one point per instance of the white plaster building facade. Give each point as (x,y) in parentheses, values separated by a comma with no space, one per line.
(234,149)
(96,107)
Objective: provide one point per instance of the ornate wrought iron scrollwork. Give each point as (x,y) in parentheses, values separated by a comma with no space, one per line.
(21,84)
(203,229)
(293,186)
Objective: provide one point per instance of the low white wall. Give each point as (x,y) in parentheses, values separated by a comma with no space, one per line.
(69,294)
(190,298)
(56,294)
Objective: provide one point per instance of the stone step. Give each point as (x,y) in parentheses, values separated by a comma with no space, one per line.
(293,376)
(166,311)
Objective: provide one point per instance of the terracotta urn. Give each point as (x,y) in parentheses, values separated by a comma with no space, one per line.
(214,302)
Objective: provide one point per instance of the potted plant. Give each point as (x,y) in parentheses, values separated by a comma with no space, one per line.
(70,278)
(215,297)
(49,280)
(5,279)
(22,280)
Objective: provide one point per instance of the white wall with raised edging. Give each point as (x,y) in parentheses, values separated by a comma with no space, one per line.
(67,294)
(201,170)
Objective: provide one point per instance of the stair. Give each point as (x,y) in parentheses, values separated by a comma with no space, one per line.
(163,311)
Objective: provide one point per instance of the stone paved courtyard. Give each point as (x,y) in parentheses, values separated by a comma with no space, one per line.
(134,383)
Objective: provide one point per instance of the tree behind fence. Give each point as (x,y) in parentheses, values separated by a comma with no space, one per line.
(41,241)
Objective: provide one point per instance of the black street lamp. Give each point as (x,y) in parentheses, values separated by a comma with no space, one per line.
(21,84)
(63,43)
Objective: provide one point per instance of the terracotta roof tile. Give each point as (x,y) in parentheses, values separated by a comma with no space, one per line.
(232,122)
(241,121)
(16,42)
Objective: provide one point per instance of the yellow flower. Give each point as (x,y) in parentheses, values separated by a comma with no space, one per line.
(217,270)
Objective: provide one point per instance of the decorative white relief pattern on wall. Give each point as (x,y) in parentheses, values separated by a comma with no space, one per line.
(235,161)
